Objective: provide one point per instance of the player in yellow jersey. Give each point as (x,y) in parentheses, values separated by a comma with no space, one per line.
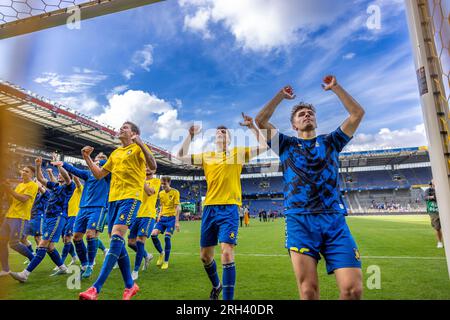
(19,211)
(72,212)
(168,221)
(220,218)
(127,166)
(144,223)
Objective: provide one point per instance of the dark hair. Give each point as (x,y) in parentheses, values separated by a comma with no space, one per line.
(102,156)
(134,127)
(222,127)
(299,106)
(166,178)
(31,168)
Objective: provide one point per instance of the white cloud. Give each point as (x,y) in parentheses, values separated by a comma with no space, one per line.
(116,90)
(83,103)
(387,138)
(198,22)
(144,57)
(349,56)
(261,25)
(156,117)
(78,82)
(127,74)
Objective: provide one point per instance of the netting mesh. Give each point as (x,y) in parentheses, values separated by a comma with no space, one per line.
(12,10)
(440,16)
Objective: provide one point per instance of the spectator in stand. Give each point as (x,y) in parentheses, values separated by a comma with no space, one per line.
(241,214)
(433,211)
(246,217)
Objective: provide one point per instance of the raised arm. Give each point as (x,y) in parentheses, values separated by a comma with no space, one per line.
(183,153)
(51,176)
(149,159)
(83,174)
(355,110)
(65,175)
(39,175)
(262,143)
(263,117)
(99,173)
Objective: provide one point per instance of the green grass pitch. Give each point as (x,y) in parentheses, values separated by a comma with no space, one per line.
(403,247)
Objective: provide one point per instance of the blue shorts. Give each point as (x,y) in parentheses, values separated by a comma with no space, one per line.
(166,224)
(53,228)
(326,234)
(142,227)
(219,224)
(35,226)
(122,212)
(12,229)
(90,218)
(68,228)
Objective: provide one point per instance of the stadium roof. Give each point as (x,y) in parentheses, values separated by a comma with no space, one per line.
(66,130)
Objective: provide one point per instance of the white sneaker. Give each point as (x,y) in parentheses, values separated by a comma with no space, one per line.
(116,266)
(134,275)
(55,268)
(4,273)
(19,276)
(440,245)
(147,261)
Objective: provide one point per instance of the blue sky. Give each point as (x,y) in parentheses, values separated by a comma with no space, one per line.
(173,63)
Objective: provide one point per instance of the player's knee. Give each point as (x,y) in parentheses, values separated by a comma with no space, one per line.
(309,291)
(227,255)
(206,258)
(154,233)
(352,292)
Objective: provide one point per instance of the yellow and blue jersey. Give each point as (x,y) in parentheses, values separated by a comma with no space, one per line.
(74,202)
(169,202)
(223,175)
(19,209)
(148,205)
(311,172)
(128,170)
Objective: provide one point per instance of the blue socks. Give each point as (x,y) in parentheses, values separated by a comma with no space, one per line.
(72,250)
(133,246)
(101,246)
(167,247)
(211,270)
(157,244)
(65,251)
(40,255)
(56,258)
(92,247)
(22,249)
(81,252)
(4,255)
(115,250)
(140,254)
(125,268)
(228,281)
